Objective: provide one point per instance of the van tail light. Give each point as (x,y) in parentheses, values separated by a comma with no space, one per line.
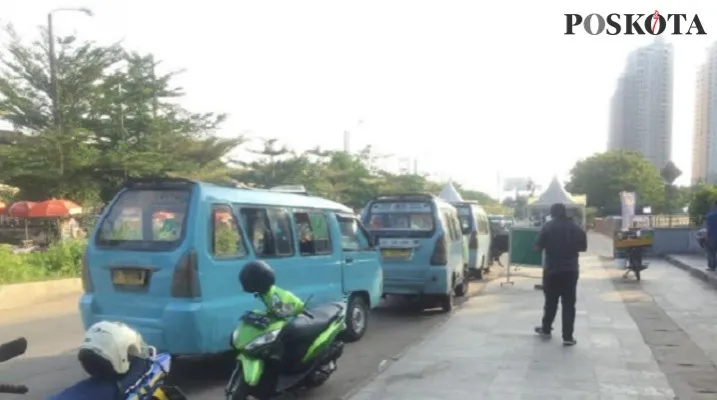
(440,253)
(87,285)
(473,242)
(185,282)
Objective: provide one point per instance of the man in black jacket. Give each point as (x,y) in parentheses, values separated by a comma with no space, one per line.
(563,240)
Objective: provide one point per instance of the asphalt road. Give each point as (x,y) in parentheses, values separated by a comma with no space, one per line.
(54,330)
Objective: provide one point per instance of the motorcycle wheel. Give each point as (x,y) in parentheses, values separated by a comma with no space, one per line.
(240,389)
(242,393)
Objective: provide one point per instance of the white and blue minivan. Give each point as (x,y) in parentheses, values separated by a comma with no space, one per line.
(421,244)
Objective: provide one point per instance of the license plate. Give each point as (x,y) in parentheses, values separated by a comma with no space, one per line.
(396,253)
(129,277)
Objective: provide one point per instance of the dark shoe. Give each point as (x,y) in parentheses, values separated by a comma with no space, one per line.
(710,269)
(542,333)
(569,342)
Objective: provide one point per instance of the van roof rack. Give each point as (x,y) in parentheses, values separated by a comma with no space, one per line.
(403,196)
(158,181)
(295,189)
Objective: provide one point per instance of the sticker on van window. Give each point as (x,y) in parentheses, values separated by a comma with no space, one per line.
(408,207)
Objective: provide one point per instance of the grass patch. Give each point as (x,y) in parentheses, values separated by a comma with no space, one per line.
(60,260)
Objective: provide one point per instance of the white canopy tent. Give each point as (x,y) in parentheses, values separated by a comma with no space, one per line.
(450,194)
(555,193)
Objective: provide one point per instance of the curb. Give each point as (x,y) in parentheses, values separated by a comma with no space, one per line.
(703,275)
(384,366)
(32,293)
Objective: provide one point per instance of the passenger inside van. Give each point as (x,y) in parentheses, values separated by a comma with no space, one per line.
(421,221)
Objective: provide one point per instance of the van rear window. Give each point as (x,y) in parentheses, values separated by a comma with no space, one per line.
(401,216)
(464,216)
(145,220)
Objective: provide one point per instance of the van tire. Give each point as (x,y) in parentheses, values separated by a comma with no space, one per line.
(462,289)
(354,331)
(447,302)
(477,273)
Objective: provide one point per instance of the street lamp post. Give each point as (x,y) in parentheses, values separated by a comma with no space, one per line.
(53,59)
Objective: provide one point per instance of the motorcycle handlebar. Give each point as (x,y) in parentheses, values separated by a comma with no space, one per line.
(13,389)
(12,349)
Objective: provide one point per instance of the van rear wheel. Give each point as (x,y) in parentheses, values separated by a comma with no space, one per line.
(447,302)
(462,289)
(477,273)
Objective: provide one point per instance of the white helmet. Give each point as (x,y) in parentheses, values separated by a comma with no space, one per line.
(107,348)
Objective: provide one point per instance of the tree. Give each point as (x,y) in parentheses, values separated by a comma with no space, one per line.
(119,120)
(50,160)
(603,176)
(702,200)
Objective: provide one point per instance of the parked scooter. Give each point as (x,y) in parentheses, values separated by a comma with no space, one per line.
(9,351)
(634,261)
(286,347)
(139,377)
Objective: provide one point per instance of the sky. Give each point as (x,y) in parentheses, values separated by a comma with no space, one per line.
(471,89)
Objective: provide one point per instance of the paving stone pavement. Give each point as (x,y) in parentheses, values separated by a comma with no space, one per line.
(487,350)
(690,302)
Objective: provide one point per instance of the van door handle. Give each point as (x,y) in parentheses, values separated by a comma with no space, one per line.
(349,260)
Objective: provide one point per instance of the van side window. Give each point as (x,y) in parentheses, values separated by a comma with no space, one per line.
(269,231)
(484,225)
(313,231)
(353,235)
(457,227)
(226,236)
(451,225)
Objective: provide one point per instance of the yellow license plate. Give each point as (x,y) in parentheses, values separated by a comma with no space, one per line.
(129,277)
(396,253)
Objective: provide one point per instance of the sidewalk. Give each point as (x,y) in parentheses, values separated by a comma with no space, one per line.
(488,350)
(695,264)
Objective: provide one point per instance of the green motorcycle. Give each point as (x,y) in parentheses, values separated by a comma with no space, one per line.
(285,348)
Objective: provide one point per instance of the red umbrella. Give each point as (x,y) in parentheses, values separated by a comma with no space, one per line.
(54,209)
(20,209)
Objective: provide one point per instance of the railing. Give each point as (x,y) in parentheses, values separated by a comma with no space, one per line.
(611,224)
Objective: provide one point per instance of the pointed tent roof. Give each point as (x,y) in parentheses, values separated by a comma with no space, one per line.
(555,193)
(450,194)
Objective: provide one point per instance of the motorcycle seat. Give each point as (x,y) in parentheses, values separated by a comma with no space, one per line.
(304,327)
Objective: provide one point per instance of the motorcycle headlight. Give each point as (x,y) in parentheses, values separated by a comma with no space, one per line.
(266,338)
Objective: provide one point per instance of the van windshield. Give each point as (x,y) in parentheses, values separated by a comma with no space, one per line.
(464,215)
(145,220)
(416,216)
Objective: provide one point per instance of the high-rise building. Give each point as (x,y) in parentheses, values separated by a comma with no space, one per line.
(704,141)
(641,107)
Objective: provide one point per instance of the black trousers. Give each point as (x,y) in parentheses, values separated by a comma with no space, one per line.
(560,286)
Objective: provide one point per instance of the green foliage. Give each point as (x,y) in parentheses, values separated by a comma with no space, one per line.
(702,201)
(119,119)
(60,260)
(603,176)
(227,241)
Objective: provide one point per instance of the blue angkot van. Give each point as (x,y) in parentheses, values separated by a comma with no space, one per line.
(165,256)
(421,244)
